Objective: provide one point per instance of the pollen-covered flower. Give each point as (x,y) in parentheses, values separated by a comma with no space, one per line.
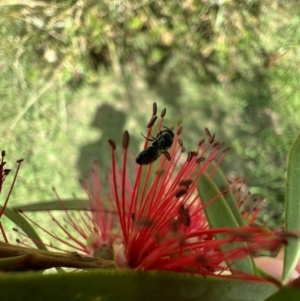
(151,216)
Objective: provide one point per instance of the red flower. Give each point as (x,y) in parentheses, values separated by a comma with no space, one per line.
(162,217)
(90,231)
(152,215)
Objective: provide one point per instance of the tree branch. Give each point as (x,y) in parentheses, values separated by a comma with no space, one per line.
(17,258)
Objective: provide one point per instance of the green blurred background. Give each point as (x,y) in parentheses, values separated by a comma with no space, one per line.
(76,73)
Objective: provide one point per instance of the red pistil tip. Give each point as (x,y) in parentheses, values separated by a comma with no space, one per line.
(179,131)
(186,182)
(191,154)
(180,192)
(207,132)
(212,138)
(112,144)
(201,142)
(126,139)
(225,190)
(181,209)
(151,122)
(226,150)
(199,160)
(163,113)
(143,222)
(184,216)
(154,109)
(6,171)
(218,144)
(174,226)
(168,156)
(160,172)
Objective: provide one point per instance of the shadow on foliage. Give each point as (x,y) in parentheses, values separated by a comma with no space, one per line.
(110,122)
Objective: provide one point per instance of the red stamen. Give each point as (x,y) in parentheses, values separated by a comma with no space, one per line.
(11,187)
(124,176)
(115,190)
(3,233)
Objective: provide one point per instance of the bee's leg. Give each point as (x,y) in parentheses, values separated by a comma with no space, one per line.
(158,134)
(153,139)
(167,155)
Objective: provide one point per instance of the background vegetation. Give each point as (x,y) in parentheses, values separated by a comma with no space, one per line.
(231,66)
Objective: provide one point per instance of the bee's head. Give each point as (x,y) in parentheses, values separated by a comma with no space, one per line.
(169,131)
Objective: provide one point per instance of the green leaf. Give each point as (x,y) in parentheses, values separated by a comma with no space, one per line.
(125,285)
(220,180)
(219,215)
(292,209)
(22,223)
(77,204)
(289,292)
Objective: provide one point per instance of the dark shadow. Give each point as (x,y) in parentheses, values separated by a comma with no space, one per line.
(111,123)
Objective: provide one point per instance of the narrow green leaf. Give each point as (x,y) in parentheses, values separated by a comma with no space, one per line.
(22,223)
(220,180)
(72,204)
(290,292)
(219,215)
(292,209)
(125,285)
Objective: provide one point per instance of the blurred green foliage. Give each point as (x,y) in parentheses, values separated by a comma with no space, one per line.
(229,65)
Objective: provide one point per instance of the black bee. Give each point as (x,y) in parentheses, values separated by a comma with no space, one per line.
(161,143)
